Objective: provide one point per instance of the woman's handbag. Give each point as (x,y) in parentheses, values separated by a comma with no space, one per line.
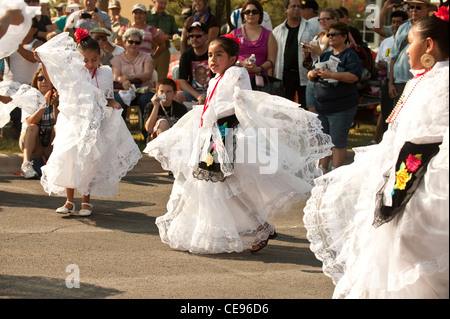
(308,62)
(271,85)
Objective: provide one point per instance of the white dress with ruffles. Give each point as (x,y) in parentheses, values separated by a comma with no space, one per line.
(93,149)
(277,148)
(408,256)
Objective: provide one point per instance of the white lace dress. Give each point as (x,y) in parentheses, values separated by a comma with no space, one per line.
(276,148)
(92,149)
(406,257)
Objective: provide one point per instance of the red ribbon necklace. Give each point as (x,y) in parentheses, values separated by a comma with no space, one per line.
(208,99)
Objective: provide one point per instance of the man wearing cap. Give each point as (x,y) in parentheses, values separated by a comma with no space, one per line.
(88,18)
(289,64)
(399,68)
(193,63)
(310,12)
(159,18)
(116,19)
(107,50)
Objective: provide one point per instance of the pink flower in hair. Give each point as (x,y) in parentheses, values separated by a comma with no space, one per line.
(80,34)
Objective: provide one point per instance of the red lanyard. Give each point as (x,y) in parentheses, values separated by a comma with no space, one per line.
(94,74)
(208,99)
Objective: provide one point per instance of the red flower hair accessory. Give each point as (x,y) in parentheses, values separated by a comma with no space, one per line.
(230,36)
(442,13)
(80,34)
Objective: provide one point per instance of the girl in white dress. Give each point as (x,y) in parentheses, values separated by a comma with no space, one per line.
(93,148)
(380,225)
(237,161)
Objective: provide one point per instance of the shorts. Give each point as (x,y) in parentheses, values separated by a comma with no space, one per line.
(337,125)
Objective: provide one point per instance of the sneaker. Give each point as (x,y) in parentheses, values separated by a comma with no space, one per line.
(28,170)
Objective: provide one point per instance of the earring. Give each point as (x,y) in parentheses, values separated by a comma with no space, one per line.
(427,60)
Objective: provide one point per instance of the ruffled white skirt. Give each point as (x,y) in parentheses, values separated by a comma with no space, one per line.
(277,149)
(404,258)
(113,154)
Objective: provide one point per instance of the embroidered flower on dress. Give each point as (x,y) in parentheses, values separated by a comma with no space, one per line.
(403,177)
(413,162)
(209,159)
(404,174)
(223,129)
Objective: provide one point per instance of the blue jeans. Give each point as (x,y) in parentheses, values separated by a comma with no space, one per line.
(337,125)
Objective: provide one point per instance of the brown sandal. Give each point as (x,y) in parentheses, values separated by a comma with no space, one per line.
(260,245)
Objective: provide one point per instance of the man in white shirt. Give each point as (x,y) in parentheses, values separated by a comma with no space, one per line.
(289,64)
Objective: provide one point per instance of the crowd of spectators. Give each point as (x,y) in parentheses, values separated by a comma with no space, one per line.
(140,52)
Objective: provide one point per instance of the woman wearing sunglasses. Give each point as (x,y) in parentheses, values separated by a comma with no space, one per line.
(337,102)
(38,128)
(133,67)
(256,40)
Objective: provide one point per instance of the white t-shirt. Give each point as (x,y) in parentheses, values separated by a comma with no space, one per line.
(18,69)
(384,50)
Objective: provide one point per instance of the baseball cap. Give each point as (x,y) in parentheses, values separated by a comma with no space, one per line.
(100,30)
(198,25)
(113,4)
(309,4)
(139,6)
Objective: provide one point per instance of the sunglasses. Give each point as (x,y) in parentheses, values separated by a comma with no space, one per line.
(195,35)
(329,35)
(415,7)
(100,38)
(134,42)
(254,12)
(41,78)
(324,19)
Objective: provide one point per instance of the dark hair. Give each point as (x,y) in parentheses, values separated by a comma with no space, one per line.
(436,29)
(344,11)
(89,44)
(400,14)
(341,27)
(229,45)
(258,6)
(167,81)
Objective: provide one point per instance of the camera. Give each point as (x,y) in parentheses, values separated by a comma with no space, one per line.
(303,44)
(85,15)
(162,97)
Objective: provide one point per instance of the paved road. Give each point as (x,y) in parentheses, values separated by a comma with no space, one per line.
(118,254)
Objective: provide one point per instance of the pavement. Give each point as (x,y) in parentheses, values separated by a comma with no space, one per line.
(116,253)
